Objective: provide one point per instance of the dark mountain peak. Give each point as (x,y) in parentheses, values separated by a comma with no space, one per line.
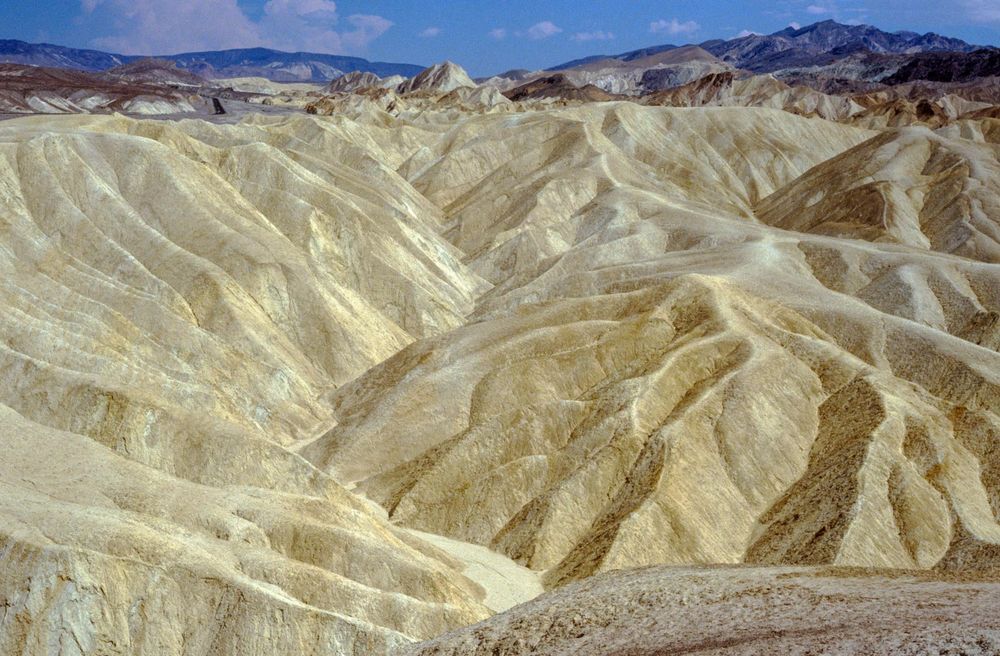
(558,85)
(828,24)
(823,42)
(825,26)
(818,44)
(830,34)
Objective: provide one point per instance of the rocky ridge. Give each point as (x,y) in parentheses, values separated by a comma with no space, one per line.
(263,356)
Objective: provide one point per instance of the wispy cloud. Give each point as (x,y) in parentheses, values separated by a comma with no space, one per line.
(673,27)
(170,26)
(982,11)
(795,25)
(745,33)
(367,28)
(818,10)
(593,36)
(498,33)
(543,30)
(430,32)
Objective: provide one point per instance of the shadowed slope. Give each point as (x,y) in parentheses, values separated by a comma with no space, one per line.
(911,187)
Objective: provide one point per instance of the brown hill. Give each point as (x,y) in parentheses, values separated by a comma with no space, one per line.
(558,86)
(155,72)
(30,89)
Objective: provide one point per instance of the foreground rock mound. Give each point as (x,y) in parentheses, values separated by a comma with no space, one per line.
(96,549)
(743,611)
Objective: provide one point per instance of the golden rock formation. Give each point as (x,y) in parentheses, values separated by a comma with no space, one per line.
(587,338)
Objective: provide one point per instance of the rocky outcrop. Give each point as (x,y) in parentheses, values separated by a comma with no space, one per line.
(33,90)
(558,87)
(441,78)
(727,90)
(742,611)
(949,67)
(155,71)
(353,82)
(911,187)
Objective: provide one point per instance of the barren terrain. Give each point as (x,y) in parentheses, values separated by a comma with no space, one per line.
(366,369)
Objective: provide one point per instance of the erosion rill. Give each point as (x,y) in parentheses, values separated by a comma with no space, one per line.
(602,376)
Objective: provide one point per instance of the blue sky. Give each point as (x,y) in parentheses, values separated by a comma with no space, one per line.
(485,37)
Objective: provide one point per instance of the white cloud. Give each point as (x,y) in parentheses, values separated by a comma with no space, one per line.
(172,26)
(593,36)
(744,33)
(795,25)
(318,9)
(151,27)
(817,10)
(498,33)
(543,30)
(673,27)
(430,33)
(982,11)
(367,28)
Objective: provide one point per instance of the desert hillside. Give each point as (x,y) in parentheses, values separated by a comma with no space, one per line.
(342,382)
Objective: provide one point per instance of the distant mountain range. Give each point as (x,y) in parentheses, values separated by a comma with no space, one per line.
(826,56)
(248,62)
(822,55)
(816,44)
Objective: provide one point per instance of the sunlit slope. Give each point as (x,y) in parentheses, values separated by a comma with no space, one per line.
(106,554)
(666,370)
(568,434)
(518,189)
(155,280)
(588,338)
(177,298)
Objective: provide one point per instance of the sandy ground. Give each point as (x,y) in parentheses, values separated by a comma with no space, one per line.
(507,584)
